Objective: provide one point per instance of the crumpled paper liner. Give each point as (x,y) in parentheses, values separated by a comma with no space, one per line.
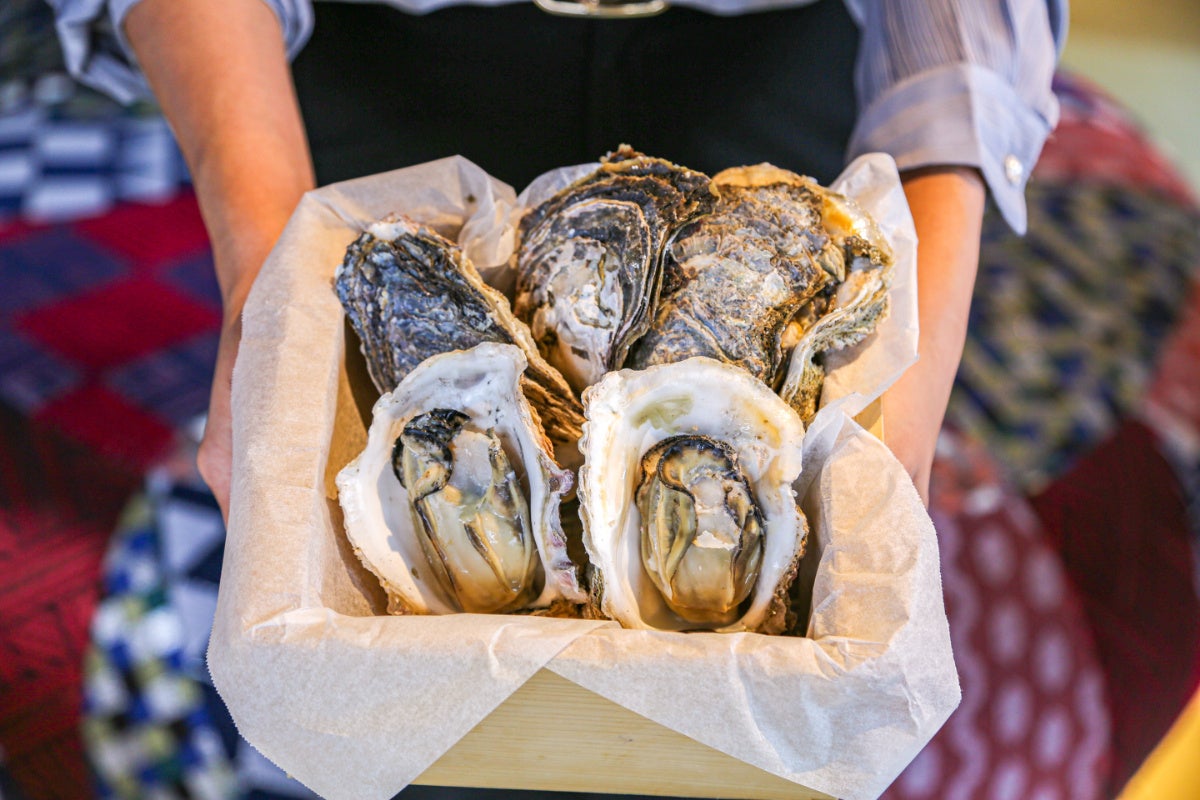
(357,705)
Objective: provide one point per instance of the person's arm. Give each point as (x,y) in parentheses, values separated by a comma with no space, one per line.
(947,208)
(958,92)
(220,73)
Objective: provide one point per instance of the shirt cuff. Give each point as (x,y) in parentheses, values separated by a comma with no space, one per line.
(94,52)
(961,115)
(97,53)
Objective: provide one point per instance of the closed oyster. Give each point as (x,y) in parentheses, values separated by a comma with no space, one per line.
(849,310)
(764,242)
(810,269)
(588,265)
(690,521)
(410,294)
(454,502)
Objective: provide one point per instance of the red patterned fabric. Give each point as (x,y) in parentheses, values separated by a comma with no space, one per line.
(107,335)
(116,323)
(58,505)
(150,235)
(1119,523)
(1034,721)
(45,608)
(1173,402)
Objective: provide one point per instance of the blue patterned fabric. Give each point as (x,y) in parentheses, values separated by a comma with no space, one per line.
(153,725)
(55,165)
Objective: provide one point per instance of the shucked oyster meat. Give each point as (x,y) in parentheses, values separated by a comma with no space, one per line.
(454,502)
(410,294)
(702,527)
(474,524)
(690,521)
(589,262)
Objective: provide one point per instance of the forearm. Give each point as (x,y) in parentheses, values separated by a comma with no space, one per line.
(947,208)
(220,73)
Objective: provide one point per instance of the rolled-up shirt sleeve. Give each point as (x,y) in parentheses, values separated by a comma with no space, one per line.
(97,53)
(960,82)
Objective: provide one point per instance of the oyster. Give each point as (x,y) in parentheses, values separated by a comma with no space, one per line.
(410,294)
(589,261)
(762,242)
(454,502)
(859,250)
(472,514)
(702,531)
(811,271)
(690,521)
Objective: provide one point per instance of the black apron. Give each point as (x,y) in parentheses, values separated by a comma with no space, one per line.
(519,91)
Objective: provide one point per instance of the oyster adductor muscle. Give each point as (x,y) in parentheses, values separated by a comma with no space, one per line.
(410,294)
(589,261)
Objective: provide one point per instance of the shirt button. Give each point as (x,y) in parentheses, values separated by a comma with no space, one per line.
(1014,170)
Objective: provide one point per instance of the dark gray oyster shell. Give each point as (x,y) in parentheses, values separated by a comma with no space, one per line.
(853,310)
(588,266)
(410,293)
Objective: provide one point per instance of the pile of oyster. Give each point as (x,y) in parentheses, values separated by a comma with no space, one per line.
(622,440)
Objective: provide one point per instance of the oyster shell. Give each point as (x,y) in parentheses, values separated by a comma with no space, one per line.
(762,242)
(723,480)
(849,310)
(410,294)
(454,502)
(588,265)
(810,268)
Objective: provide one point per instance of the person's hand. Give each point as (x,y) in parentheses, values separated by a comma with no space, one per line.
(947,208)
(215,456)
(220,73)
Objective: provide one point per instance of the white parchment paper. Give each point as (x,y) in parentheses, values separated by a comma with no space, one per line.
(356,704)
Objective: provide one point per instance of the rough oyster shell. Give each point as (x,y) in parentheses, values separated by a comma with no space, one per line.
(861,252)
(484,383)
(810,267)
(628,413)
(588,265)
(763,241)
(410,294)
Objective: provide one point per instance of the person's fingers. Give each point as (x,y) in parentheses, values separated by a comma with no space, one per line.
(215,456)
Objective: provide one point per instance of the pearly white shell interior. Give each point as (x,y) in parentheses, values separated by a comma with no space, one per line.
(483,383)
(629,412)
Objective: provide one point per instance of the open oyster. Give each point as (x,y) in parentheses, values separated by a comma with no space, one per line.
(690,521)
(454,502)
(410,294)
(589,261)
